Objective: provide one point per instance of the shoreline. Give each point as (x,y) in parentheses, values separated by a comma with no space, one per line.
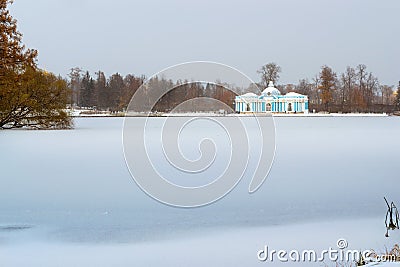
(280,115)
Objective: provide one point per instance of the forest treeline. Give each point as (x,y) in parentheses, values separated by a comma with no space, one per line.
(354,90)
(115,92)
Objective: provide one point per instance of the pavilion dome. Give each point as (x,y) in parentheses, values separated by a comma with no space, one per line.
(271,90)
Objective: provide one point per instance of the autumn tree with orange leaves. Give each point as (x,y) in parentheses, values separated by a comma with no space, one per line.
(29,97)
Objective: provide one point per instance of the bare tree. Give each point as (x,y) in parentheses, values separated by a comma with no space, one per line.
(304,87)
(348,83)
(75,76)
(269,73)
(371,88)
(360,94)
(316,96)
(386,94)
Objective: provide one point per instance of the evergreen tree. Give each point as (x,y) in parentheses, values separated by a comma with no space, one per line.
(116,85)
(101,90)
(87,95)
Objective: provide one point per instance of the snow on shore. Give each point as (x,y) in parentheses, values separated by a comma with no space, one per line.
(333,115)
(83,113)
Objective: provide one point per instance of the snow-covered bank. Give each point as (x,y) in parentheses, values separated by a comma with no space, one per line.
(83,112)
(93,113)
(332,115)
(203,114)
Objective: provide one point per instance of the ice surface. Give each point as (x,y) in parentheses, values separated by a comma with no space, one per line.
(73,189)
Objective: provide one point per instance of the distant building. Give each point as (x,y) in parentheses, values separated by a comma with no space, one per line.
(271,100)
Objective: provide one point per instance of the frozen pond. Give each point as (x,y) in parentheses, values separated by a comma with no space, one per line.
(71,192)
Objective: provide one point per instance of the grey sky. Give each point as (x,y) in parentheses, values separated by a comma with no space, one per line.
(147,36)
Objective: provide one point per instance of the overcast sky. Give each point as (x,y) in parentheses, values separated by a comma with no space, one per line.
(143,37)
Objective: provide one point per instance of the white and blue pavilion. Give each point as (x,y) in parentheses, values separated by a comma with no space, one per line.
(271,101)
